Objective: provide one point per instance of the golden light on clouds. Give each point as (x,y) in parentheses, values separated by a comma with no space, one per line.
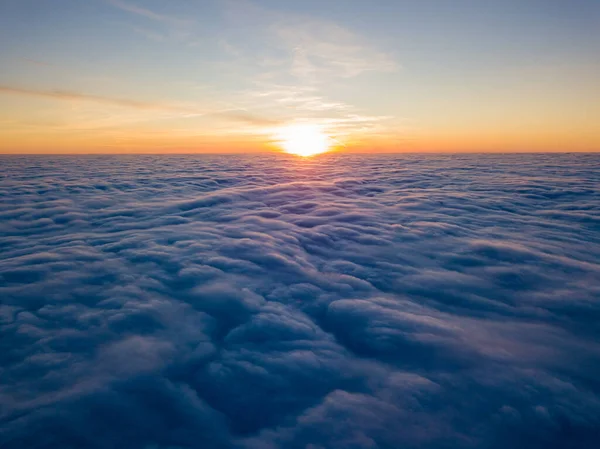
(303,140)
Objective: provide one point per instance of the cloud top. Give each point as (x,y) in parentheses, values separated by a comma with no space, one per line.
(267,302)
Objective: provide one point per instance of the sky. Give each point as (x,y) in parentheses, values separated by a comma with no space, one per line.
(149,76)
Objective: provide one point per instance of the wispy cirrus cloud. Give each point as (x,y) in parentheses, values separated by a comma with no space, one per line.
(165,26)
(153,110)
(298,98)
(304,104)
(312,50)
(59,94)
(148,14)
(296,59)
(37,62)
(322,49)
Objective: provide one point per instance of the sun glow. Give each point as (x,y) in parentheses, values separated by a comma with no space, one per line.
(303,140)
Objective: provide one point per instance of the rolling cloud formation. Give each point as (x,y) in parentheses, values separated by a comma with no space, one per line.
(264,302)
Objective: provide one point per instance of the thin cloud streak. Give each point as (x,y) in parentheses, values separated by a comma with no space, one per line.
(137,10)
(233,114)
(251,119)
(69,95)
(168,27)
(323,50)
(37,62)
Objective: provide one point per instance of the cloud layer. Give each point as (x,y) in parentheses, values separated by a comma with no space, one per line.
(266,302)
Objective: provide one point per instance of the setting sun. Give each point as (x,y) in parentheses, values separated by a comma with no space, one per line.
(303,140)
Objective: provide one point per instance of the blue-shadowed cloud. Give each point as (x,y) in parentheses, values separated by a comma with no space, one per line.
(272,302)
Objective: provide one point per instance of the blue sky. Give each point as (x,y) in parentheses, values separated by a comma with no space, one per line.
(380,74)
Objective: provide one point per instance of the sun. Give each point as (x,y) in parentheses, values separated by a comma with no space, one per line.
(303,140)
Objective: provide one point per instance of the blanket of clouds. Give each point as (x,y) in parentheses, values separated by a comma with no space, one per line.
(393,302)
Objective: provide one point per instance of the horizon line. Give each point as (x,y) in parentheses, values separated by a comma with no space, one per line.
(282,153)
